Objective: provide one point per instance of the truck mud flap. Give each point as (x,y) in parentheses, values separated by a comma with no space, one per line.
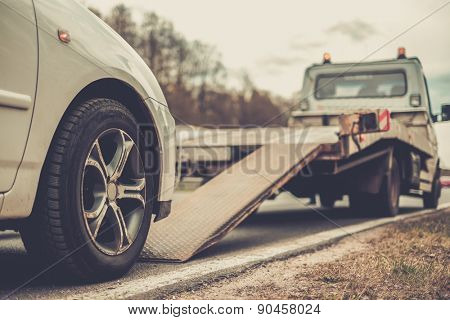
(217,207)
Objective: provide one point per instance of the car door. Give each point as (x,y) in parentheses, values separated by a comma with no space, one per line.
(18,79)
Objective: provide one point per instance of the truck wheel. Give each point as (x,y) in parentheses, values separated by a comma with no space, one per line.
(431,199)
(386,202)
(92,213)
(327,200)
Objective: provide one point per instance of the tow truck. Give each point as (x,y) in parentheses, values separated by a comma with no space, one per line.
(363,129)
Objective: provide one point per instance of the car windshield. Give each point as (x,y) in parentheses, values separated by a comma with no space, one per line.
(361,85)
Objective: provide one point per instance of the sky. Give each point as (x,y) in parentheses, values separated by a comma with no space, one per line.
(275,40)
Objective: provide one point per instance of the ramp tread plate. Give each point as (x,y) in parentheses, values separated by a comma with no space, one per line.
(215,208)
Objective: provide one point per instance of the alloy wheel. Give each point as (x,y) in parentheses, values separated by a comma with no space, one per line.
(113,192)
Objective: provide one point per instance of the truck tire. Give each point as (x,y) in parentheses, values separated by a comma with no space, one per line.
(386,202)
(327,200)
(93,209)
(431,199)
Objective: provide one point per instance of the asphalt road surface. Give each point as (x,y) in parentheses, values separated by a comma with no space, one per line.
(276,221)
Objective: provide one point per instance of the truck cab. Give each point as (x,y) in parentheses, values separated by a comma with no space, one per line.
(397,84)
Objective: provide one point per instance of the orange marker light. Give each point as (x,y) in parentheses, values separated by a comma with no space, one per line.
(401,53)
(326,57)
(64,36)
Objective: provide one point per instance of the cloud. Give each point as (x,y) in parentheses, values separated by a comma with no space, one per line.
(357,30)
(297,43)
(278,65)
(280,61)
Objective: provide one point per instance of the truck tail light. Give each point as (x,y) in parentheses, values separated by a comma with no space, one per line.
(445,182)
(304,104)
(415,100)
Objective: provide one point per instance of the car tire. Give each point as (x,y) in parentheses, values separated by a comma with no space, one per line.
(431,199)
(92,213)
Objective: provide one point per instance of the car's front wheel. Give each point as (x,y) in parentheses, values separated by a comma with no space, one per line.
(93,209)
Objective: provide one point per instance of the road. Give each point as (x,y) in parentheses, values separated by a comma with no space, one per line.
(277,221)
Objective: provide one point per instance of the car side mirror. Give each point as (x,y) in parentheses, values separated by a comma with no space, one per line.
(445,112)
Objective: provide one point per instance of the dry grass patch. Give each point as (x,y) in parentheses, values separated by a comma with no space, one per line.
(409,261)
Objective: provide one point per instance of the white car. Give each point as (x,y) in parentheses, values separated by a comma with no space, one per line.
(87,142)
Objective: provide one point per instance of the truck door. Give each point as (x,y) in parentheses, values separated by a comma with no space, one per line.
(18,78)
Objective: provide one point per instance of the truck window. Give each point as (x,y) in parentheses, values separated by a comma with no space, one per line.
(361,85)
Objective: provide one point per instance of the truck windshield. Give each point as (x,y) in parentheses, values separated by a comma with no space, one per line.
(361,85)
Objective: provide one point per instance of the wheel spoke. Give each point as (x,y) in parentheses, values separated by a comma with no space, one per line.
(94,214)
(99,220)
(132,191)
(124,237)
(99,155)
(117,166)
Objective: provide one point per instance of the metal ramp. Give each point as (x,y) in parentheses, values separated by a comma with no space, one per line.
(214,209)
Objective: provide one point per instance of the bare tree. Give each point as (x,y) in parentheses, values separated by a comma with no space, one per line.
(120,19)
(191,74)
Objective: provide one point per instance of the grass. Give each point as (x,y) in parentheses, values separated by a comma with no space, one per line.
(409,261)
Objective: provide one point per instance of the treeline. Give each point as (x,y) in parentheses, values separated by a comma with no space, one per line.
(192,75)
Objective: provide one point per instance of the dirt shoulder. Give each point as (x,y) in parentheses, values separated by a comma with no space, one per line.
(407,260)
